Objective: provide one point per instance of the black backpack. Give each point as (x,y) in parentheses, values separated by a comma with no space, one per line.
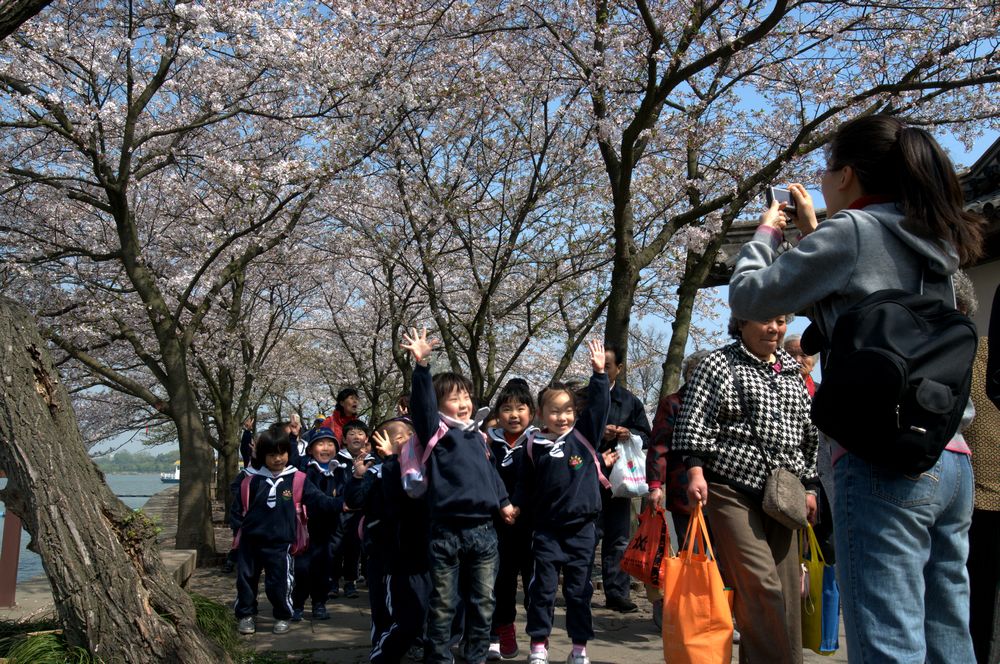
(896,378)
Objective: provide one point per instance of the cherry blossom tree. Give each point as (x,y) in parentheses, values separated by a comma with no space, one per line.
(698,105)
(152,151)
(483,204)
(112,593)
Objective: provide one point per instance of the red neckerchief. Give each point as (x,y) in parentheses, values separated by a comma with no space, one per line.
(865,201)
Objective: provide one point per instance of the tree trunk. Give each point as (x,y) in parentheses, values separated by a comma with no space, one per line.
(695,272)
(194,504)
(112,593)
(624,281)
(229,458)
(15,12)
(687,291)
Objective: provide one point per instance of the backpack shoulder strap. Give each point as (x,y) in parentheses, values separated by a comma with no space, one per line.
(937,285)
(593,454)
(438,435)
(298,486)
(529,443)
(245,492)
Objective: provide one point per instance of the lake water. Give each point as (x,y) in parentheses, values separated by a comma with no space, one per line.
(142,485)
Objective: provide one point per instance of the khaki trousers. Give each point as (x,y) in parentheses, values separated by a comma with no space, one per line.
(761,564)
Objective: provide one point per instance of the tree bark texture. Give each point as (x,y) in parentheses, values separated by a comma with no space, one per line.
(112,593)
(194,503)
(13,13)
(624,282)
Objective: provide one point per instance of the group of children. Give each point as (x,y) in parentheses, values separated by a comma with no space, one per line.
(443,564)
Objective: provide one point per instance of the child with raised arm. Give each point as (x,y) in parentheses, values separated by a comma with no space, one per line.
(464,494)
(559,484)
(267,528)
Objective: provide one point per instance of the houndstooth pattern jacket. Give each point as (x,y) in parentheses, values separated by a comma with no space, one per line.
(713,427)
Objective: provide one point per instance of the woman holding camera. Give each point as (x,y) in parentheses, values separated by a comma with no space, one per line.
(895,217)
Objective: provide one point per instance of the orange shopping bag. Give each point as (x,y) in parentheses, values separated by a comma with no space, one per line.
(649,547)
(697,615)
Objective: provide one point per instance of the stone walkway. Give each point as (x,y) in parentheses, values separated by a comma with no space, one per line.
(620,639)
(344,639)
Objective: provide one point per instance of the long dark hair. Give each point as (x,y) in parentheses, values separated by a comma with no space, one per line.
(907,165)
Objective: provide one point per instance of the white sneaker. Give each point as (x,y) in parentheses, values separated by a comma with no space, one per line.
(494,653)
(247,625)
(577,659)
(539,657)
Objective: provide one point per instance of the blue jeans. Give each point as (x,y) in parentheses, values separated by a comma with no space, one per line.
(463,558)
(902,542)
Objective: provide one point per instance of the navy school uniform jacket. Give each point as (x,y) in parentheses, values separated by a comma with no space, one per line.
(277,524)
(324,480)
(507,458)
(463,484)
(343,474)
(558,483)
(397,529)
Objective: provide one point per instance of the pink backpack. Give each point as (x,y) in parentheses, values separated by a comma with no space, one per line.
(301,542)
(413,461)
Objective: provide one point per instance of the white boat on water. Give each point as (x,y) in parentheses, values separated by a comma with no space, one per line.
(174,477)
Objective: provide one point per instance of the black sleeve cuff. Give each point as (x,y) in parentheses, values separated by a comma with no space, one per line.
(693,462)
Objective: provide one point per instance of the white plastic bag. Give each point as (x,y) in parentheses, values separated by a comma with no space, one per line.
(628,476)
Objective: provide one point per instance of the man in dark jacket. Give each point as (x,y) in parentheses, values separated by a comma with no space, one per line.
(627,417)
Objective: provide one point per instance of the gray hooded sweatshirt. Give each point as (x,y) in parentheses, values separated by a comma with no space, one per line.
(849,256)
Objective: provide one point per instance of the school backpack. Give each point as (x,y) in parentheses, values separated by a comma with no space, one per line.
(301,542)
(413,462)
(896,378)
(413,459)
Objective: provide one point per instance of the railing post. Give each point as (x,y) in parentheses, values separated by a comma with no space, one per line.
(10,551)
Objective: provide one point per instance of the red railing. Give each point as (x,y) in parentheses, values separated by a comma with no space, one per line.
(10,551)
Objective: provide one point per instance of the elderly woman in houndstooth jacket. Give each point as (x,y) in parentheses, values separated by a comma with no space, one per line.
(746,411)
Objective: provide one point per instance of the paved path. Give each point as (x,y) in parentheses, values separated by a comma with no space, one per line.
(344,639)
(620,639)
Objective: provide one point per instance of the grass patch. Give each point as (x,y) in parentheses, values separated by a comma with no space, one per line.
(217,622)
(42,641)
(39,642)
